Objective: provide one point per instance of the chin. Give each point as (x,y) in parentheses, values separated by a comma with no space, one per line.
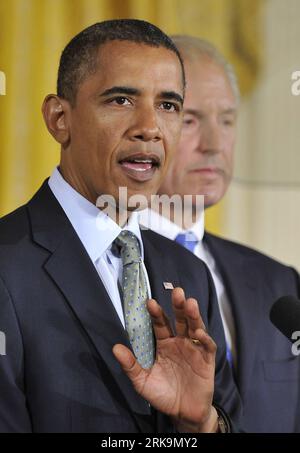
(212,199)
(136,201)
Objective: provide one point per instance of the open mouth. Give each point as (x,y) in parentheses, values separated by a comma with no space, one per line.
(140,168)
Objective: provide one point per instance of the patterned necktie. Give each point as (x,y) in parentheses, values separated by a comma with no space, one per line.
(135,294)
(187,240)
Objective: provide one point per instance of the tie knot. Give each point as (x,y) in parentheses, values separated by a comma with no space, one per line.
(129,246)
(187,240)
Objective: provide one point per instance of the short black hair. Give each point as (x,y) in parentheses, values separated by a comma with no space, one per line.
(79,58)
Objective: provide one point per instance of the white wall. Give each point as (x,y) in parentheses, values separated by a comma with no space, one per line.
(262,208)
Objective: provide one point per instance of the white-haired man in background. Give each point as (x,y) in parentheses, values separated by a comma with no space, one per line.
(247,282)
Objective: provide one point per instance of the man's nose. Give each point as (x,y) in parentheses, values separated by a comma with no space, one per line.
(146,127)
(210,139)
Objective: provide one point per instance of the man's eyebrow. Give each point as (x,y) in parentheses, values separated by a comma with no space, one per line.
(172,96)
(169,95)
(199,113)
(230,110)
(120,90)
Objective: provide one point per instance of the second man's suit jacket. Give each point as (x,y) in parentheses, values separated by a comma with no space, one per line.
(59,373)
(268,374)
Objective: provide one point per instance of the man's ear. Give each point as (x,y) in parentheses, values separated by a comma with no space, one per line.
(56,113)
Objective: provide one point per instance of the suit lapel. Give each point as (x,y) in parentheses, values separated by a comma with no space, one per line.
(159,271)
(240,280)
(73,272)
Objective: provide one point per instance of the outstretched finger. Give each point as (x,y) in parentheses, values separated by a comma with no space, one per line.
(207,345)
(178,302)
(160,322)
(193,316)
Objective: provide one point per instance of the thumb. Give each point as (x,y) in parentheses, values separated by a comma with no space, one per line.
(129,363)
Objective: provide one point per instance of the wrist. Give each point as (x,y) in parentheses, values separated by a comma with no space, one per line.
(224,424)
(210,425)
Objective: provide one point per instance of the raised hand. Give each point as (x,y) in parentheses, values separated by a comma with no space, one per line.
(181,380)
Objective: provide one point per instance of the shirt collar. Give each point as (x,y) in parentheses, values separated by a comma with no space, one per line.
(95,229)
(150,219)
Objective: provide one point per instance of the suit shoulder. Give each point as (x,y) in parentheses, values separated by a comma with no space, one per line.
(14,226)
(232,247)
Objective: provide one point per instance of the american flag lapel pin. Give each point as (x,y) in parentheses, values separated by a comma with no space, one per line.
(168,285)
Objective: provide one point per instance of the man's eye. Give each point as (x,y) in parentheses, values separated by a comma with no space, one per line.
(188,121)
(228,122)
(120,100)
(169,106)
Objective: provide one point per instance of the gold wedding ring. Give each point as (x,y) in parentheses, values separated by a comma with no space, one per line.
(195,341)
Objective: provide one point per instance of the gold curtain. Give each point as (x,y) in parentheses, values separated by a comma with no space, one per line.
(32,36)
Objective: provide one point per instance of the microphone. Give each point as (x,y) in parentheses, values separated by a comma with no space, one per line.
(285,315)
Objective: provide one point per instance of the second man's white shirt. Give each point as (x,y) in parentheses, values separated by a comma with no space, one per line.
(161,225)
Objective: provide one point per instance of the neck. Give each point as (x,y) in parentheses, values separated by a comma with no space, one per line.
(184,218)
(119,216)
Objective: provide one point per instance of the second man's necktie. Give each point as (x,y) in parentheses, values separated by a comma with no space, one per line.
(187,240)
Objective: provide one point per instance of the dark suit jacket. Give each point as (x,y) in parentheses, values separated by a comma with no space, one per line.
(59,373)
(268,375)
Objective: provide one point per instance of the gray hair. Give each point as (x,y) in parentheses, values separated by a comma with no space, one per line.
(192,48)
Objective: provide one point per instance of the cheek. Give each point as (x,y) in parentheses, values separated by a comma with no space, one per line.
(185,154)
(171,129)
(176,173)
(190,141)
(229,155)
(99,128)
(229,143)
(106,142)
(84,139)
(170,143)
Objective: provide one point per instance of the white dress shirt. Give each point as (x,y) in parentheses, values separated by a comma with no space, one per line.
(97,231)
(161,225)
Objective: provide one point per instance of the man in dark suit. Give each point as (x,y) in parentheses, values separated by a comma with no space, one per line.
(247,282)
(74,281)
